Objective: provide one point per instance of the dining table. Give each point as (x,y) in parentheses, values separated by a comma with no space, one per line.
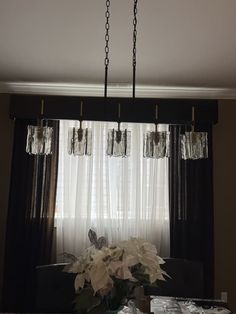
(168,305)
(174,305)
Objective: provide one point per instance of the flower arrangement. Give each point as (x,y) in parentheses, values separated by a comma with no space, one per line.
(108,274)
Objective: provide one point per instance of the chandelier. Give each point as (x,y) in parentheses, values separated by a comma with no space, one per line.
(39,137)
(156,143)
(79,139)
(194,145)
(119,141)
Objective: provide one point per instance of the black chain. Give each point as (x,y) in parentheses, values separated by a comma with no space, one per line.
(135,11)
(106,60)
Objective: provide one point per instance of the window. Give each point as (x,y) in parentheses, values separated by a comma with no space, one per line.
(117,197)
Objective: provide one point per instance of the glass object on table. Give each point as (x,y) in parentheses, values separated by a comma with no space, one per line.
(129,309)
(163,305)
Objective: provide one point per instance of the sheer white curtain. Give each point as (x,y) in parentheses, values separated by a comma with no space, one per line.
(116,197)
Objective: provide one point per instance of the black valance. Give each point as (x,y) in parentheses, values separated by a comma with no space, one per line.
(142,110)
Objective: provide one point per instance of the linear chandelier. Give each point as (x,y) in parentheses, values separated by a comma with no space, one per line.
(79,139)
(39,137)
(119,141)
(156,143)
(193,145)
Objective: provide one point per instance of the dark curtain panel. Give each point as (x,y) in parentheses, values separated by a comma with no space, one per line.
(191,208)
(30,220)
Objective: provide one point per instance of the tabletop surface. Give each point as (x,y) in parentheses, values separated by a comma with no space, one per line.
(171,305)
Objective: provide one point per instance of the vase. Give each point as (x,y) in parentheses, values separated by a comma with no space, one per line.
(142,301)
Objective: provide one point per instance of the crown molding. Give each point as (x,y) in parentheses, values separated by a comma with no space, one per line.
(116,90)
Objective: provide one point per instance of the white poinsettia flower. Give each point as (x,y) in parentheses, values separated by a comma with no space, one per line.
(116,252)
(100,267)
(145,253)
(120,269)
(124,272)
(99,276)
(79,281)
(76,267)
(82,261)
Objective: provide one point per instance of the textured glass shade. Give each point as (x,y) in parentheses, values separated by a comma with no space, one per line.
(39,140)
(80,141)
(156,144)
(118,143)
(194,145)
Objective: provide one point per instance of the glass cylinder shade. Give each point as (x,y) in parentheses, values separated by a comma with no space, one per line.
(39,140)
(194,145)
(80,141)
(118,143)
(156,144)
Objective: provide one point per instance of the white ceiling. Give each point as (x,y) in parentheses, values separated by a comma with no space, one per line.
(180,42)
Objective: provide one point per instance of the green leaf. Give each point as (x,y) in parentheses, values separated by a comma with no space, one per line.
(141,277)
(100,309)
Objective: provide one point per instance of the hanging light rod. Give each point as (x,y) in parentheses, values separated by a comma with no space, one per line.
(156,113)
(81,114)
(42,107)
(193,118)
(156,117)
(135,11)
(107,37)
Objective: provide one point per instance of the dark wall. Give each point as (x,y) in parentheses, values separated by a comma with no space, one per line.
(6,140)
(225,201)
